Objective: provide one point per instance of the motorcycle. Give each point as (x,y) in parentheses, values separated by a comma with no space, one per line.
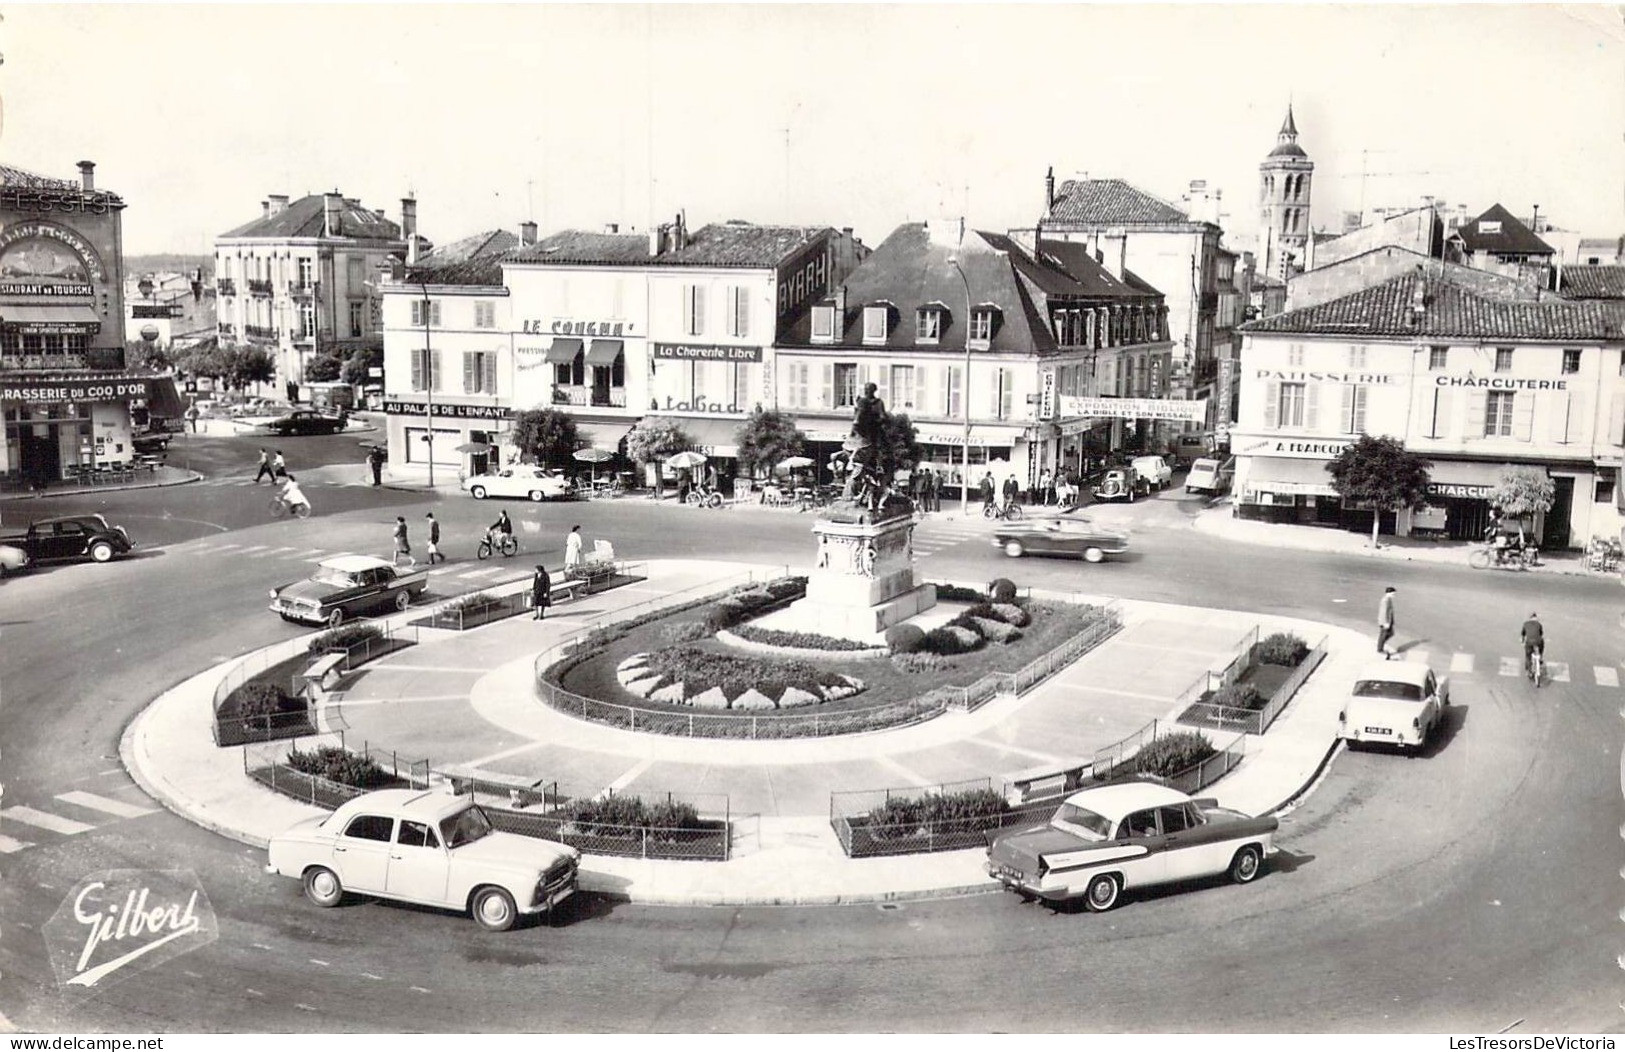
(1504,557)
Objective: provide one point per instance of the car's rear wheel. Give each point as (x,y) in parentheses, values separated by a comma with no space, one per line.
(1093,555)
(494,909)
(478,492)
(322,887)
(1102,892)
(403,600)
(1014,549)
(336,617)
(1247,864)
(536,495)
(101,551)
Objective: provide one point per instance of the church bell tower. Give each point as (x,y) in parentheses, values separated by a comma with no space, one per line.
(1284,181)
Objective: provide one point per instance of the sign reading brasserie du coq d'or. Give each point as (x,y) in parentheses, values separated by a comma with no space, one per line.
(61,392)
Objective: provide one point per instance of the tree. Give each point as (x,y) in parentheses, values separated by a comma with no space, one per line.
(358,367)
(546,436)
(767,437)
(323,368)
(1522,492)
(899,446)
(654,439)
(205,359)
(147,355)
(247,365)
(1382,473)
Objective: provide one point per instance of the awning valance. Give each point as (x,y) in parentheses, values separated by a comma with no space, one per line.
(564,349)
(38,319)
(1286,475)
(602,352)
(716,438)
(604,435)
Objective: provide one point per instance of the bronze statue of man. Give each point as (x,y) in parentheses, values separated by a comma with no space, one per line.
(863,442)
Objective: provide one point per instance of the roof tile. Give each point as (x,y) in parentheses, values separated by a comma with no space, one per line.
(1110,201)
(306,217)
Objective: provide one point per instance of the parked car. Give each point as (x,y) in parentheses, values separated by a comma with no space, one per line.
(12,559)
(71,537)
(151,443)
(1074,535)
(347,586)
(1211,475)
(1121,483)
(305,422)
(428,847)
(524,480)
(1395,702)
(1102,842)
(1154,470)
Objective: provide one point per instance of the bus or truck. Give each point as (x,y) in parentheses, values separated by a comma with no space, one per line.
(331,396)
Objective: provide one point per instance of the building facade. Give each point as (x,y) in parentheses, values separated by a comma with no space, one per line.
(1469,382)
(1500,242)
(1285,189)
(65,393)
(1064,352)
(302,278)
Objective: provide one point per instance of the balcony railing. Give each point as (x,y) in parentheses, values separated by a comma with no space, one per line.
(259,332)
(297,289)
(226,286)
(582,394)
(258,288)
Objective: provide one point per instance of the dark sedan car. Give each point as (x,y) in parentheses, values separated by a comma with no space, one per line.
(306,422)
(72,537)
(1071,535)
(347,586)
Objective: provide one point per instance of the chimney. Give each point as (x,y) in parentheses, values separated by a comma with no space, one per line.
(278,203)
(612,228)
(332,216)
(265,210)
(1114,251)
(1049,189)
(657,239)
(840,305)
(409,217)
(87,176)
(679,232)
(527,232)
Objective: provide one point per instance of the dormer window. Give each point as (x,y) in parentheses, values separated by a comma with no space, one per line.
(981,327)
(874,323)
(928,323)
(1489,226)
(823,323)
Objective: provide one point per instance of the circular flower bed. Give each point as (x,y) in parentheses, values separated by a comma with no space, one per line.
(690,675)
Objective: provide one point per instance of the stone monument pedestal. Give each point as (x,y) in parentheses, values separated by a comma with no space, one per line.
(862,581)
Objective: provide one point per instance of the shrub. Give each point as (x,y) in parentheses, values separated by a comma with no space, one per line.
(785,587)
(610,815)
(699,670)
(959,812)
(1238,696)
(473,601)
(754,598)
(951,639)
(954,593)
(996,631)
(1282,648)
(725,614)
(344,638)
(672,814)
(966,622)
(1173,753)
(905,638)
(1011,614)
(339,765)
(803,640)
(684,632)
(921,661)
(258,700)
(1003,590)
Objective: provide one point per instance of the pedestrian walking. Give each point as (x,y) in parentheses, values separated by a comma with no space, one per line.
(403,545)
(987,490)
(375,460)
(265,468)
(191,415)
(1385,621)
(434,540)
(279,467)
(572,549)
(1046,487)
(541,591)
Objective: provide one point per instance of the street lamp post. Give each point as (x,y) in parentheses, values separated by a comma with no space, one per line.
(428,378)
(964,397)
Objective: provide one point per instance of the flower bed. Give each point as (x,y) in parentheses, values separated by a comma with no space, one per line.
(691,675)
(476,609)
(1281,663)
(797,640)
(265,707)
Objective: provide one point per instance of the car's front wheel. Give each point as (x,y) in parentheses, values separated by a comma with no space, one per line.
(478,492)
(335,618)
(322,886)
(494,909)
(1093,555)
(403,600)
(537,495)
(1247,864)
(1101,894)
(101,552)
(1014,549)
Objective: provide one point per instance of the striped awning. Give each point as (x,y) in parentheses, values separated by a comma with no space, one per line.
(564,349)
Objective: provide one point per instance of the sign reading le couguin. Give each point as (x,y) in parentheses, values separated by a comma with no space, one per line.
(62,391)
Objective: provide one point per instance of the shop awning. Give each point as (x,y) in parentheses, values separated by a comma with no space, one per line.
(602,352)
(1464,478)
(1285,475)
(163,399)
(564,349)
(36,319)
(604,435)
(715,438)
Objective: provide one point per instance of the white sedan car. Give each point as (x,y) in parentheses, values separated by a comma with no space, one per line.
(525,480)
(1396,702)
(429,847)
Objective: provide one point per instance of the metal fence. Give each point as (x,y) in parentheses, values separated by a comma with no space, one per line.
(235,730)
(1112,756)
(471,612)
(850,814)
(1014,684)
(1193,779)
(364,650)
(1194,711)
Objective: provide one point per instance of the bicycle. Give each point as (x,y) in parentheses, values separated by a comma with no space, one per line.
(1503,557)
(280,507)
(506,545)
(1535,666)
(705,498)
(1011,511)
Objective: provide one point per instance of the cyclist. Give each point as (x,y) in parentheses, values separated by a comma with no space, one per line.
(500,530)
(1534,642)
(292,495)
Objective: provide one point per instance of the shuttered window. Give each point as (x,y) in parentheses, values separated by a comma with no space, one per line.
(694,310)
(1352,418)
(1498,413)
(955,390)
(479,372)
(422,376)
(902,387)
(738,311)
(1290,413)
(433,314)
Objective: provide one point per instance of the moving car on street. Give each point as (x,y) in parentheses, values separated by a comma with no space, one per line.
(1210,475)
(524,480)
(1102,842)
(305,422)
(1154,470)
(71,537)
(428,847)
(347,586)
(1395,702)
(1069,535)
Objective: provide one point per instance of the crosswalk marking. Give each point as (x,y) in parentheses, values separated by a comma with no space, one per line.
(1511,666)
(274,551)
(318,553)
(1607,675)
(254,548)
(8,845)
(1557,671)
(1460,662)
(54,823)
(481,573)
(104,804)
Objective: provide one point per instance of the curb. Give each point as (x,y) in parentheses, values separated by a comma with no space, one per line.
(120,488)
(837,899)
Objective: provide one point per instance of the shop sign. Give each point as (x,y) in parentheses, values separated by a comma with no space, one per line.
(1299,376)
(696,406)
(35,328)
(1190,410)
(52,268)
(706,352)
(450,411)
(60,392)
(1303,448)
(1452,489)
(1227,380)
(577,327)
(1501,383)
(1046,396)
(32,288)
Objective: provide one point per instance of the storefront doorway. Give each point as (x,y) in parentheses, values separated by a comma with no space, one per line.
(1555,533)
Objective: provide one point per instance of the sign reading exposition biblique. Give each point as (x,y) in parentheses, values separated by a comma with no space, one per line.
(1193,410)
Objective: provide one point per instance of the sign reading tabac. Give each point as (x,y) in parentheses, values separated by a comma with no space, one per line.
(1190,410)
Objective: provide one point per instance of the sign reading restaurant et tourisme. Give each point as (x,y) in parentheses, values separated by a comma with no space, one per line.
(61,392)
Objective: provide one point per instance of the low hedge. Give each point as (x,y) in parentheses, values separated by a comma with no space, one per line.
(614,814)
(803,640)
(1238,696)
(1171,754)
(951,639)
(259,700)
(899,817)
(340,765)
(699,670)
(344,637)
(471,601)
(1282,648)
(685,632)
(955,593)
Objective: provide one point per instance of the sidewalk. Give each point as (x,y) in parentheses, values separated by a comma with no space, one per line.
(781,859)
(163,475)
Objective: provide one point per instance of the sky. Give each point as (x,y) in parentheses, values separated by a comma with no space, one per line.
(826,114)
